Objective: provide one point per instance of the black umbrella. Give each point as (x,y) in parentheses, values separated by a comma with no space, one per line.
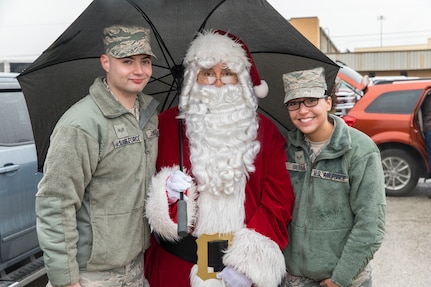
(64,72)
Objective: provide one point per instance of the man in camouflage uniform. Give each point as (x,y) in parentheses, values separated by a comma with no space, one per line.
(90,202)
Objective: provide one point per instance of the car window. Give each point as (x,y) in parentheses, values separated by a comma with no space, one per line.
(15,127)
(397,102)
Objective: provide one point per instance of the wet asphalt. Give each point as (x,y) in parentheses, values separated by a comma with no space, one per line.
(404,258)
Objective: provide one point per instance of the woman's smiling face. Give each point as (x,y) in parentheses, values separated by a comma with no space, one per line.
(313,121)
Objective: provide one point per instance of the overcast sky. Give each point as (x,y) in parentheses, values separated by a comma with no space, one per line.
(357,24)
(28,27)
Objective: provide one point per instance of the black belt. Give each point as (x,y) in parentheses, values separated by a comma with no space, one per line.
(185,249)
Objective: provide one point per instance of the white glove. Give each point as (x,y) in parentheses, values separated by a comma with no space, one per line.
(233,278)
(177,182)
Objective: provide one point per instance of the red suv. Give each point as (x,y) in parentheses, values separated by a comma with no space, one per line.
(391,114)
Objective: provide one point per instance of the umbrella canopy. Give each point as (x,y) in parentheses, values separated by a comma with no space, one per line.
(64,72)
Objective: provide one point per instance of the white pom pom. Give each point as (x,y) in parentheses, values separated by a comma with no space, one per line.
(262,90)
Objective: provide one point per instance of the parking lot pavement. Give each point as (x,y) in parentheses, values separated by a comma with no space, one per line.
(404,258)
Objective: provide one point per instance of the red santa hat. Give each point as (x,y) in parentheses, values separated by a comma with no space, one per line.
(212,47)
(260,87)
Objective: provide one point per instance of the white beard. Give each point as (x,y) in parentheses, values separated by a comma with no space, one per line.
(222,129)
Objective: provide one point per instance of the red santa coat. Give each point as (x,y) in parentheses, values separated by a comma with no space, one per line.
(256,248)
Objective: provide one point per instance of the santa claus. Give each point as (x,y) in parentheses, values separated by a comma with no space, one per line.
(238,191)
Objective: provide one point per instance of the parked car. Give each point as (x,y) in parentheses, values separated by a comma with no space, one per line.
(350,87)
(20,256)
(390,113)
(346,99)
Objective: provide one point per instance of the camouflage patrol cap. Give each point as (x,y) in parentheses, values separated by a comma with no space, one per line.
(123,41)
(304,84)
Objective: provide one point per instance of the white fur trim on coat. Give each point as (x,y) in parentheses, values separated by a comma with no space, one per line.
(157,207)
(256,256)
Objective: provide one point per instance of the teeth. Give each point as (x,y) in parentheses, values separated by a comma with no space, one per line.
(306,120)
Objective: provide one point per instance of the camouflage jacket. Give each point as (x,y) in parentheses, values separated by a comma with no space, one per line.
(339,212)
(90,202)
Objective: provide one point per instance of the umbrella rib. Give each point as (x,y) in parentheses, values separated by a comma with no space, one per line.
(165,51)
(171,89)
(156,33)
(209,15)
(272,117)
(323,60)
(160,80)
(50,63)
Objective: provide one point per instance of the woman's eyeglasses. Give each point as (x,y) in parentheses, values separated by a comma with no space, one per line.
(294,105)
(209,77)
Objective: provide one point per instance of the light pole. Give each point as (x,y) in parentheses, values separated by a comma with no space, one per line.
(381,18)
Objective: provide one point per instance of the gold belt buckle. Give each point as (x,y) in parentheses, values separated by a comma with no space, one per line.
(205,271)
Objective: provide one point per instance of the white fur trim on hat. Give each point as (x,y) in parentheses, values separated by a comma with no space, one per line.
(210,48)
(261,91)
(213,47)
(260,87)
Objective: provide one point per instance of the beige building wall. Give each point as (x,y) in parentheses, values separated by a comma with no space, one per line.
(309,27)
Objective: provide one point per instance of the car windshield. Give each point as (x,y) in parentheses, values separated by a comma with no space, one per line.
(15,127)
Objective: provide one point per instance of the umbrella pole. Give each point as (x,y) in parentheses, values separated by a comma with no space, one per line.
(182,204)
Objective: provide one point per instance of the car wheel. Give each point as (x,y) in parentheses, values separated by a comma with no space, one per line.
(400,172)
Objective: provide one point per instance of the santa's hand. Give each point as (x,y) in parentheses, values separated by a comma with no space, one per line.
(233,278)
(177,182)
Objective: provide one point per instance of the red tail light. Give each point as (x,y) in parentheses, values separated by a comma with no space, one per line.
(349,120)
